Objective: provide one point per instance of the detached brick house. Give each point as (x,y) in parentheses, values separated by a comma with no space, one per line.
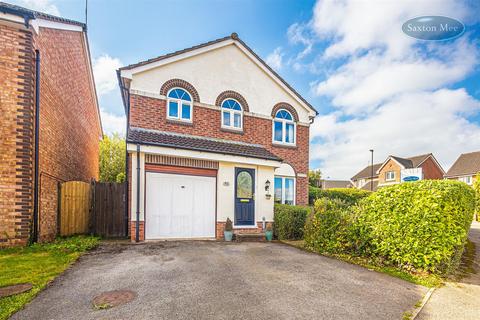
(396,170)
(465,168)
(213,133)
(34,46)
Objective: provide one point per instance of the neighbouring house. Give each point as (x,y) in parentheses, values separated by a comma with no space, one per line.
(465,168)
(44,65)
(213,133)
(333,184)
(367,178)
(396,170)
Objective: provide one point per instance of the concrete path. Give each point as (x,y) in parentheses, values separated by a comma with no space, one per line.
(458,300)
(217,280)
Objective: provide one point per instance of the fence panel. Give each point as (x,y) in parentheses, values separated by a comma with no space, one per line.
(75,204)
(109,209)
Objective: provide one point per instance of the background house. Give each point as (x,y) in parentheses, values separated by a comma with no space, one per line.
(396,170)
(465,168)
(332,184)
(365,180)
(213,133)
(55,50)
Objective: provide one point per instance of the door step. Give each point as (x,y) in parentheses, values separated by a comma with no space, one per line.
(250,237)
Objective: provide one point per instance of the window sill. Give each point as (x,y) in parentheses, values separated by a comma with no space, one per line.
(180,122)
(237,131)
(284,145)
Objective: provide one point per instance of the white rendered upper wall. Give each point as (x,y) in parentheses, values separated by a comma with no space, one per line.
(218,70)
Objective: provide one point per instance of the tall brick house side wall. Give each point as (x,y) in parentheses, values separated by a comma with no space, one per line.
(150,113)
(69,126)
(16,144)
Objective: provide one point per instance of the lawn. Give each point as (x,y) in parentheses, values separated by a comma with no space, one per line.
(424,279)
(37,264)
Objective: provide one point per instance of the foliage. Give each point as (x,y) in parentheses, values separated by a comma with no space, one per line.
(348,195)
(418,227)
(421,225)
(476,187)
(228,225)
(314,177)
(112,158)
(289,221)
(327,228)
(37,264)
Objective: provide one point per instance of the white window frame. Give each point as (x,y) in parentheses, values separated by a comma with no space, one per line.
(282,201)
(387,178)
(180,104)
(467,179)
(232,112)
(284,129)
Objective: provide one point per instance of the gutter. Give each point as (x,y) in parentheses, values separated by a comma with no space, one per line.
(36,151)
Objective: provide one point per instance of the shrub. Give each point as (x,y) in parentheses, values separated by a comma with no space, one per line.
(289,221)
(327,229)
(420,225)
(476,186)
(348,195)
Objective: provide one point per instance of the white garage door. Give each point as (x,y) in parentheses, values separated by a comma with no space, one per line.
(179,206)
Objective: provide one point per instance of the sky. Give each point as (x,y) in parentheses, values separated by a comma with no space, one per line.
(373,86)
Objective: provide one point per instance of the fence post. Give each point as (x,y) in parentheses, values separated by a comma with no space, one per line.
(91,226)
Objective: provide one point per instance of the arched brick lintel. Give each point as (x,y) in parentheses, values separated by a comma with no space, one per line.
(179,83)
(232,95)
(286,106)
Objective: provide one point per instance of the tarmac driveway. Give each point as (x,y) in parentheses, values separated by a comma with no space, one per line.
(217,280)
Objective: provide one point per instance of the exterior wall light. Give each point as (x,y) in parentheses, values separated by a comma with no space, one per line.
(267,189)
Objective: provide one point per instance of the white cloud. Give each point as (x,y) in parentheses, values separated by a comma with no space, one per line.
(104,70)
(412,124)
(112,123)
(390,92)
(274,59)
(45,6)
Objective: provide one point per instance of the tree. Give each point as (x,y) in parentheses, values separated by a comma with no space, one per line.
(112,158)
(314,177)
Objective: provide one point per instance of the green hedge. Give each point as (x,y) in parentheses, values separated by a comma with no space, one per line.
(289,221)
(476,187)
(327,228)
(348,195)
(415,226)
(421,225)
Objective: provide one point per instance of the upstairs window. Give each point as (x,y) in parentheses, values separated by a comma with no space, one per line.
(389,175)
(232,114)
(179,105)
(283,128)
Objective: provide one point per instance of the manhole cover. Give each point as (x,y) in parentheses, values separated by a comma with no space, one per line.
(15,289)
(113,298)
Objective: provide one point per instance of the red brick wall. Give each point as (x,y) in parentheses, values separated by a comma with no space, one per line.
(150,113)
(16,144)
(431,170)
(69,126)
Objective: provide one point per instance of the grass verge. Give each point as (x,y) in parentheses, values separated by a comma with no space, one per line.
(37,264)
(424,279)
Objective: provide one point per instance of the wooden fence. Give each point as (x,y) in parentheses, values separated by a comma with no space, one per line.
(109,209)
(75,203)
(96,208)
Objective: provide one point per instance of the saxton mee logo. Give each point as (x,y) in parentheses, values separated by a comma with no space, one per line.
(433,28)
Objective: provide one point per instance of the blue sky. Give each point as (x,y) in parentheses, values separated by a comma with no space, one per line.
(373,86)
